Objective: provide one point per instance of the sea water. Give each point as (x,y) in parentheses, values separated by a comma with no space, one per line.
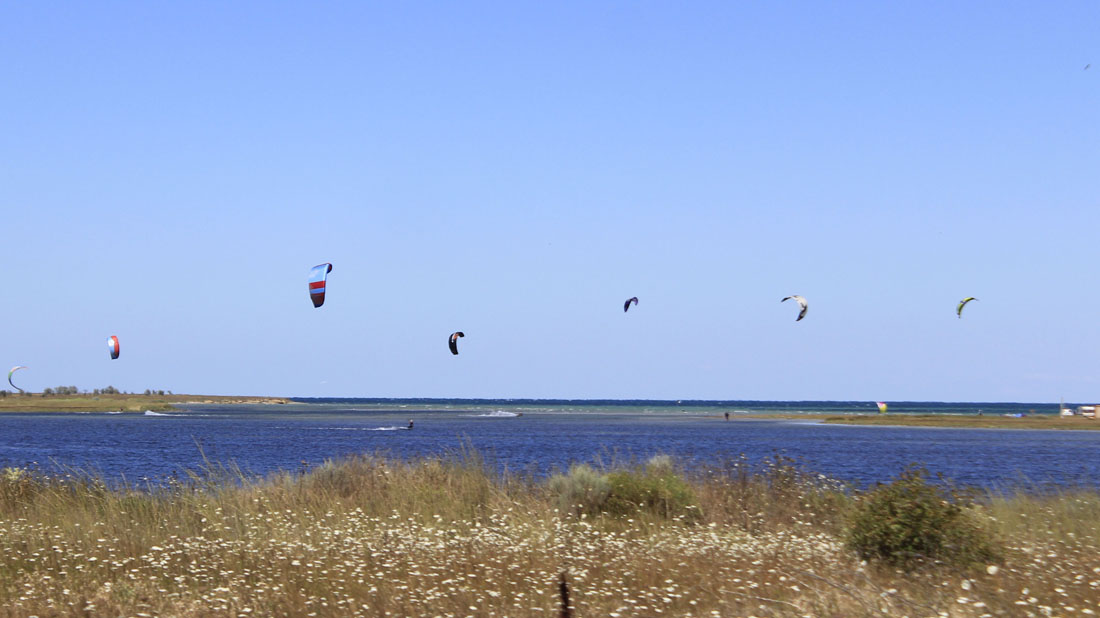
(539,437)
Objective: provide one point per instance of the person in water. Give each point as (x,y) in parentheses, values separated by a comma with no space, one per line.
(410,424)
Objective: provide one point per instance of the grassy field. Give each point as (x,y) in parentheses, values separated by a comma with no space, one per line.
(111,403)
(372,536)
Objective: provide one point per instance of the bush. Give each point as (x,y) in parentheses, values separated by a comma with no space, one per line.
(656,489)
(582,491)
(910,522)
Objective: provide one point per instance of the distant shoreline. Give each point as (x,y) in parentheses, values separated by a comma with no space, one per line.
(83,403)
(120,403)
(967,421)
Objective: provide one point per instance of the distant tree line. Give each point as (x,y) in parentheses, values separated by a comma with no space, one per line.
(72,390)
(60,390)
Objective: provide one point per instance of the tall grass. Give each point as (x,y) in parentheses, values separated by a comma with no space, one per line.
(374,536)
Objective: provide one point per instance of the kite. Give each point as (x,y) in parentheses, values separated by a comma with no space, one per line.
(801,303)
(453,341)
(13,370)
(633,299)
(962,303)
(317,277)
(112,346)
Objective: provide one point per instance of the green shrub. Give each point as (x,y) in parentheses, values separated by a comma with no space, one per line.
(583,490)
(655,489)
(910,522)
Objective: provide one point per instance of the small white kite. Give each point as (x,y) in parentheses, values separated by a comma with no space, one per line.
(801,303)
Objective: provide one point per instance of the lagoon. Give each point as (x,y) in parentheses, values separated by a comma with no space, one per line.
(540,437)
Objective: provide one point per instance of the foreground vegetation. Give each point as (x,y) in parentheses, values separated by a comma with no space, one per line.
(372,536)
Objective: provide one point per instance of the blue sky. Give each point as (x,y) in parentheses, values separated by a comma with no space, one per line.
(170,173)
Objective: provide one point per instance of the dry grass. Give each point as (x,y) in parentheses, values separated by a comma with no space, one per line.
(372,536)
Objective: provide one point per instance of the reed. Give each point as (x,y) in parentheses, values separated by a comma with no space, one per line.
(451,536)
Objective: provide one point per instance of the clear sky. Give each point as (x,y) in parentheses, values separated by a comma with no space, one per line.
(169,172)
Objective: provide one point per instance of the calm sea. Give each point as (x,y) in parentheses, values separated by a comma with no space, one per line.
(542,436)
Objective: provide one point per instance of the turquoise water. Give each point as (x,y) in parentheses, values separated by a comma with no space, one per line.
(539,437)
